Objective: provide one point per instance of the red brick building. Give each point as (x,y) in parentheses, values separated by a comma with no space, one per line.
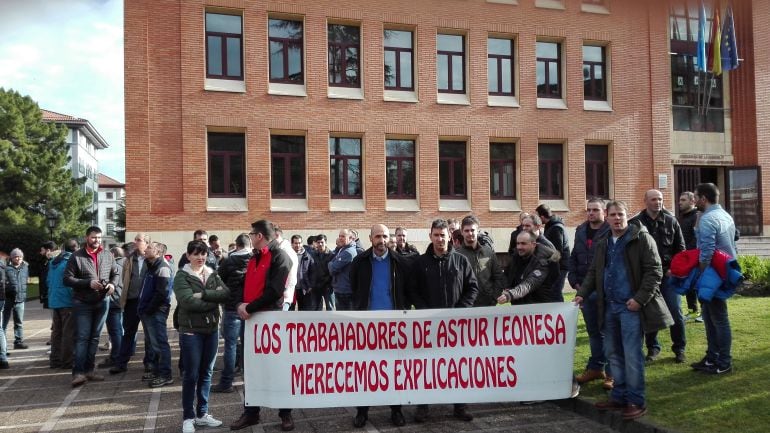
(328,114)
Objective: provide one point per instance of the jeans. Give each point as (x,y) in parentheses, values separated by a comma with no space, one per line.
(131,322)
(623,348)
(3,343)
(329,301)
(16,310)
(674,304)
(343,302)
(198,353)
(719,337)
(89,320)
(62,334)
(310,301)
(597,360)
(232,329)
(115,330)
(155,328)
(558,286)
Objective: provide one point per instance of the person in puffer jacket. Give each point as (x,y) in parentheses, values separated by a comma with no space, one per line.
(153,308)
(60,303)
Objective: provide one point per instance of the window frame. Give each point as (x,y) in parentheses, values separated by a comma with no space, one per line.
(286,160)
(547,61)
(343,46)
(286,44)
(590,169)
(344,159)
(499,58)
(592,68)
(450,54)
(497,167)
(224,37)
(398,51)
(400,195)
(227,155)
(552,167)
(453,163)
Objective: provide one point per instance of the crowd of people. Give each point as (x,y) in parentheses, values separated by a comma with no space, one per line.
(618,264)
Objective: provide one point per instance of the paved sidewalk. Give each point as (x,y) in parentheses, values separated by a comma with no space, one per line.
(35,398)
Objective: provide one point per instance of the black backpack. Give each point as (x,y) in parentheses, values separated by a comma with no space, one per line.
(485,239)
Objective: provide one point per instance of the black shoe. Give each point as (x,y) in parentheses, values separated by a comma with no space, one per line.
(117,369)
(680,358)
(360,419)
(20,345)
(148,369)
(652,354)
(397,418)
(222,389)
(55,365)
(421,414)
(714,369)
(703,364)
(4,365)
(287,423)
(161,381)
(463,414)
(246,420)
(149,377)
(106,363)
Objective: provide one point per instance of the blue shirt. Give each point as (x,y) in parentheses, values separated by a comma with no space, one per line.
(617,286)
(380,297)
(716,231)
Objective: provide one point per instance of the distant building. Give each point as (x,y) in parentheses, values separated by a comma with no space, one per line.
(111,193)
(84,141)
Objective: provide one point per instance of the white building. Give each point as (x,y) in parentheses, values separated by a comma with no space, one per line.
(84,140)
(111,193)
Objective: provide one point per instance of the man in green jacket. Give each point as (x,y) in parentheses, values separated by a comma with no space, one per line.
(626,274)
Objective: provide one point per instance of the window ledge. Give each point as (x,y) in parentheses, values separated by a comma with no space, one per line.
(551,103)
(400,96)
(503,101)
(504,206)
(454,205)
(218,85)
(595,9)
(453,99)
(550,4)
(345,92)
(288,205)
(556,205)
(283,89)
(505,2)
(347,205)
(596,106)
(402,205)
(216,204)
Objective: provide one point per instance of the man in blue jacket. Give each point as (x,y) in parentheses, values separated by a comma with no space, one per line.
(339,268)
(17,273)
(60,303)
(153,308)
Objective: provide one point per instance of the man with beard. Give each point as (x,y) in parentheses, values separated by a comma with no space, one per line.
(528,272)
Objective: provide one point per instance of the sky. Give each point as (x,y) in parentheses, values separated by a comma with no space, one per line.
(67,55)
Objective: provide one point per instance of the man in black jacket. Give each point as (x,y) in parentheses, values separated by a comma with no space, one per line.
(556,232)
(528,273)
(442,278)
(377,279)
(688,217)
(322,279)
(93,276)
(668,237)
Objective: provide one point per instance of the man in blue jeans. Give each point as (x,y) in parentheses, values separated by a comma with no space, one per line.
(17,274)
(626,274)
(3,347)
(339,268)
(232,270)
(92,274)
(716,231)
(153,308)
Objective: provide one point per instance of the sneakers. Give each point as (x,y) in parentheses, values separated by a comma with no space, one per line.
(699,319)
(106,363)
(575,389)
(652,354)
(589,375)
(287,423)
(163,381)
(219,388)
(633,411)
(397,418)
(715,369)
(20,345)
(462,414)
(703,364)
(78,380)
(117,369)
(106,346)
(246,420)
(208,421)
(609,383)
(93,377)
(148,377)
(360,419)
(188,426)
(680,358)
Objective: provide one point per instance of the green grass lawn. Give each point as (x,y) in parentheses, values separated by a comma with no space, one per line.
(688,401)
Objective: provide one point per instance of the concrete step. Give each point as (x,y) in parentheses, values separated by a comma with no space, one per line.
(754,246)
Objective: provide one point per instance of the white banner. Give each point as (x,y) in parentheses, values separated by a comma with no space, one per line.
(360,358)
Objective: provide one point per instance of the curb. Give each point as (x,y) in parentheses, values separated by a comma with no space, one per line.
(612,419)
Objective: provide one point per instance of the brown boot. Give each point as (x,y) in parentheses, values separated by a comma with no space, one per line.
(590,375)
(609,383)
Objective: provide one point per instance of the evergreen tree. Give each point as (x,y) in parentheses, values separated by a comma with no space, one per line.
(34,177)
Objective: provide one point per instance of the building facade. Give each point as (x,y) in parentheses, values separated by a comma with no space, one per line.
(328,114)
(111,196)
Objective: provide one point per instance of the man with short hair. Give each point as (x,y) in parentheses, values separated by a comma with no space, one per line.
(528,272)
(556,232)
(307,298)
(339,268)
(291,282)
(626,274)
(489,274)
(442,278)
(664,228)
(322,279)
(92,274)
(216,248)
(403,247)
(60,301)
(153,309)
(533,223)
(48,251)
(688,219)
(17,274)
(716,231)
(587,235)
(211,260)
(377,281)
(515,234)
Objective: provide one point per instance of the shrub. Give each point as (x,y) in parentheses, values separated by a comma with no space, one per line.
(28,239)
(755,269)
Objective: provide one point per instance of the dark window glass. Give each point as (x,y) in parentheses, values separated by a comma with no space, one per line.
(399,53)
(400,169)
(450,63)
(286,61)
(226,164)
(548,69)
(452,169)
(551,171)
(344,50)
(594,69)
(345,166)
(502,175)
(287,154)
(224,39)
(500,66)
(597,171)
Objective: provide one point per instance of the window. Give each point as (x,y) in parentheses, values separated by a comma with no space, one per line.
(551,171)
(597,171)
(399,58)
(226,164)
(500,66)
(110,214)
(502,177)
(344,54)
(287,154)
(110,229)
(450,63)
(286,51)
(595,2)
(224,39)
(345,162)
(400,169)
(110,196)
(451,170)
(548,69)
(594,68)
